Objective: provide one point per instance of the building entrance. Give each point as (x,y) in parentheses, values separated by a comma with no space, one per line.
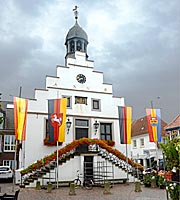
(88,167)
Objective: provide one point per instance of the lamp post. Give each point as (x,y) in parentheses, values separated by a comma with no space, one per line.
(96,126)
(68,125)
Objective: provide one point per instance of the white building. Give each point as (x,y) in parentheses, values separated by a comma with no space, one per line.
(141,149)
(90,101)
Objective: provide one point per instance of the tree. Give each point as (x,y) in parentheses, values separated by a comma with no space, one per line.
(171,151)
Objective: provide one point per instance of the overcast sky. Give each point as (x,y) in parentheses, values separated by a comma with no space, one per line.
(136,44)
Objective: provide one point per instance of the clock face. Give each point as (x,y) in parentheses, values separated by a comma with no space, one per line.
(81,78)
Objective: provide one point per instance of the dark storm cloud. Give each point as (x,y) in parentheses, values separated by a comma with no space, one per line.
(143,62)
(14,53)
(136,45)
(16,50)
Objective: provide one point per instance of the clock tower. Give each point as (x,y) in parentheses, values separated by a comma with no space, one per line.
(76,39)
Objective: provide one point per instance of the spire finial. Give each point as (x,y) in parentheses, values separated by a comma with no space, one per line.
(76,13)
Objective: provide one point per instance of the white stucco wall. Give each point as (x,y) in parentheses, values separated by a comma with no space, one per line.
(65,84)
(139,152)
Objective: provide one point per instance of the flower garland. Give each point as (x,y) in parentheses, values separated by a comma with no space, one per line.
(73,145)
(48,143)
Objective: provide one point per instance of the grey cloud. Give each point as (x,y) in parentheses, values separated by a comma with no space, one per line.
(16,50)
(141,57)
(32,7)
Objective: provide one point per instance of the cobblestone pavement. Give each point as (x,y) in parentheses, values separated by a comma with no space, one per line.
(118,192)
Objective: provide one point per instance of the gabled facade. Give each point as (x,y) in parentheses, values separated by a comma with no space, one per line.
(92,111)
(142,150)
(173,128)
(88,102)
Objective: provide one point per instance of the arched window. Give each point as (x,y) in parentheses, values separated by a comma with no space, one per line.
(72,46)
(79,45)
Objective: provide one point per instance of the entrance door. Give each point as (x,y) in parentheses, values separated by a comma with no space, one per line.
(80,133)
(88,167)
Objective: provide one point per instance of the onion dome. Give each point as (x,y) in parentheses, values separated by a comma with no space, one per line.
(76,39)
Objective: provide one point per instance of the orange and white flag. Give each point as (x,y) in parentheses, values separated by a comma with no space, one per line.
(20,114)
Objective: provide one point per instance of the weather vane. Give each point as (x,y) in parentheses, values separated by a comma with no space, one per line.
(76,12)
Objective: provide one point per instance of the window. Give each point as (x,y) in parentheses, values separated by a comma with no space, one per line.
(9,163)
(79,45)
(134,144)
(9,143)
(81,100)
(72,46)
(69,101)
(142,142)
(82,122)
(96,104)
(106,131)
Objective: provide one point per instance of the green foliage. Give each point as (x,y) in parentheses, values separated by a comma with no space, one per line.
(171,153)
(147,179)
(161,181)
(174,190)
(1,120)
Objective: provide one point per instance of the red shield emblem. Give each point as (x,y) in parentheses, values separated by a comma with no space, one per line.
(56,119)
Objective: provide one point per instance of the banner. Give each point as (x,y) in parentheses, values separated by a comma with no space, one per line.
(20,114)
(154,124)
(57,119)
(125,121)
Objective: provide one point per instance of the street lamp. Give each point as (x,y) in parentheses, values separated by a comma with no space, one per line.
(68,125)
(96,126)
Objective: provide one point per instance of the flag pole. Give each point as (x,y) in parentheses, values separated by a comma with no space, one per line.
(57,164)
(15,153)
(57,175)
(156,143)
(15,165)
(127,162)
(22,142)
